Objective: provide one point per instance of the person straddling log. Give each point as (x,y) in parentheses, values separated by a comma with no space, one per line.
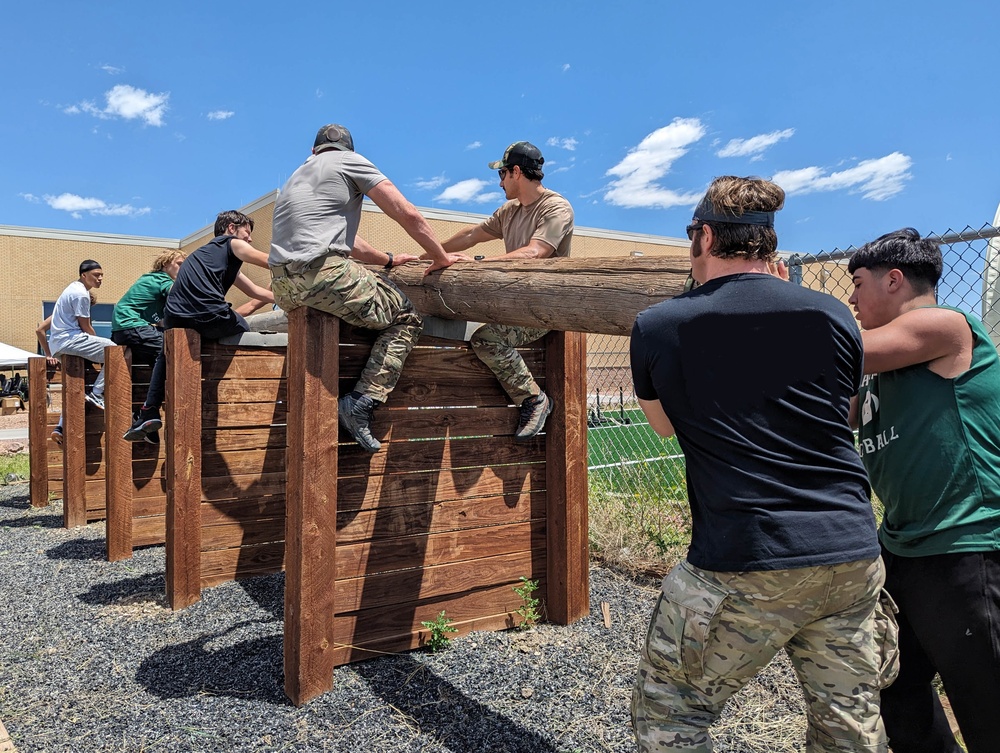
(197,301)
(137,322)
(755,376)
(929,435)
(534,223)
(315,250)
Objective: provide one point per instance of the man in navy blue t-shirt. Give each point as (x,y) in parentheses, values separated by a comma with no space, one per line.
(755,377)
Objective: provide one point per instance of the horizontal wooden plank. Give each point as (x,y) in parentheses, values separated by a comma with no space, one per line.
(441,423)
(433,517)
(149,531)
(401,588)
(267,365)
(434,454)
(242,510)
(233,415)
(211,348)
(223,565)
(429,364)
(366,492)
(240,462)
(223,440)
(243,534)
(243,391)
(143,507)
(239,486)
(402,552)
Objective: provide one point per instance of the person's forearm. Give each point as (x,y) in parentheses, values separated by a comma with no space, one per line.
(43,343)
(459,242)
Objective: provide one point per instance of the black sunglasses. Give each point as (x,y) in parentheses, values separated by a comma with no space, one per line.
(692,227)
(502,172)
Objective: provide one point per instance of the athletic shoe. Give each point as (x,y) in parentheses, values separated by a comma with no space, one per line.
(152,438)
(95,399)
(356,414)
(534,411)
(57,435)
(142,426)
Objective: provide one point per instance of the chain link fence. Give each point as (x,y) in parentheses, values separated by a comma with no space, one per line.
(637,480)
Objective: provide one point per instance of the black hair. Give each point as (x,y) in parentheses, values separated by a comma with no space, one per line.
(88,264)
(232,217)
(919,259)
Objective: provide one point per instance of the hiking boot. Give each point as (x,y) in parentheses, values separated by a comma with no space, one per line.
(94,399)
(144,424)
(534,411)
(57,435)
(356,414)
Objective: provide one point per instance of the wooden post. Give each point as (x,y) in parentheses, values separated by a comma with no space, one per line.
(74,441)
(182,417)
(568,593)
(38,440)
(118,468)
(311,503)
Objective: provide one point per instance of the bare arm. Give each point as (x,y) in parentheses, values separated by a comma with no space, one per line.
(466,239)
(85,325)
(938,337)
(246,285)
(366,253)
(250,306)
(43,341)
(536,249)
(658,420)
(388,198)
(245,252)
(852,415)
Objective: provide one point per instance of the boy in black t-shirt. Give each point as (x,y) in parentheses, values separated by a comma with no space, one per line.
(197,301)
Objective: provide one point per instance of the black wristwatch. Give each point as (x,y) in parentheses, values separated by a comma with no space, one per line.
(388,264)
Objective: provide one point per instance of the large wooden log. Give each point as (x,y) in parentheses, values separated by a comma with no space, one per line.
(597,295)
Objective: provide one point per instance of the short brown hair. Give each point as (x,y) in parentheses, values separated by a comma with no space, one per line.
(231,217)
(737,196)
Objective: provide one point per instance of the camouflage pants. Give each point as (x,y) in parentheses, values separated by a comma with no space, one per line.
(712,631)
(496,345)
(356,295)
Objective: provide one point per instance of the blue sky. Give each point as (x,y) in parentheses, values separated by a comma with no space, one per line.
(125,117)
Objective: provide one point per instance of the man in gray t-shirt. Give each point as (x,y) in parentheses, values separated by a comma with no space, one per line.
(535,223)
(315,250)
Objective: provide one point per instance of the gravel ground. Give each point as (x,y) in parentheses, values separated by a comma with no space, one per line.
(91,659)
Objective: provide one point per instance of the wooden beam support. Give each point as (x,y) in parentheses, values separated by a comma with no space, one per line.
(311,503)
(568,579)
(74,441)
(182,419)
(118,467)
(38,434)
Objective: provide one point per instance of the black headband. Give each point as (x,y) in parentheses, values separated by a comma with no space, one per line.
(705,213)
(88,264)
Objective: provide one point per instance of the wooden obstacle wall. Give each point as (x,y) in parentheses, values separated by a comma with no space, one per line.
(46,457)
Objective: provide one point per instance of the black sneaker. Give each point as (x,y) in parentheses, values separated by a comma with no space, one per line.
(143,426)
(356,414)
(152,438)
(534,411)
(57,435)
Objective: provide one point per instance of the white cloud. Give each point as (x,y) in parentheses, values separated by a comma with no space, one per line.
(112,70)
(77,205)
(636,176)
(220,114)
(473,145)
(30,197)
(877,179)
(128,102)
(565,67)
(568,143)
(431,184)
(468,190)
(755,145)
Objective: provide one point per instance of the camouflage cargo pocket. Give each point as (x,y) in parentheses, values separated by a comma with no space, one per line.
(689,614)
(886,639)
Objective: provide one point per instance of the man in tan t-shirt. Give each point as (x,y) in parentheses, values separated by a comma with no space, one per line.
(534,223)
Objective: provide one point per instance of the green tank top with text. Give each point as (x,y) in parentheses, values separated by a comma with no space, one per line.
(932,450)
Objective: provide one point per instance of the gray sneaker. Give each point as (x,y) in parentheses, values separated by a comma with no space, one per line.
(356,415)
(95,399)
(534,411)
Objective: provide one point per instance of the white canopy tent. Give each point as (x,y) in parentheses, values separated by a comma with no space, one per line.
(13,358)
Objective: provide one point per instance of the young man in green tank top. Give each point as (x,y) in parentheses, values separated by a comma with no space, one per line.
(928,415)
